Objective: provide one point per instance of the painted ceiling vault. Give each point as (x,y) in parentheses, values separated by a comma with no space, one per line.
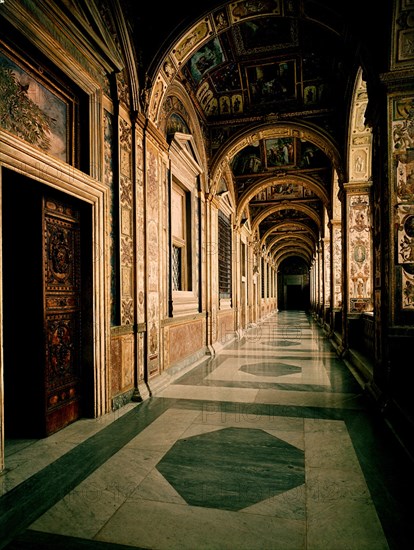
(271,82)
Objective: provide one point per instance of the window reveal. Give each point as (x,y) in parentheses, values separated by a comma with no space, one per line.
(224,255)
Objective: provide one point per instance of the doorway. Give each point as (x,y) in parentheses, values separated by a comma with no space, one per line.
(47,308)
(294,297)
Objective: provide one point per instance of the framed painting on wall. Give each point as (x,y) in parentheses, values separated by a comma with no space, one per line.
(280,152)
(34,108)
(272,82)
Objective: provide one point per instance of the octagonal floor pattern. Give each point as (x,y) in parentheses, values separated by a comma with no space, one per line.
(265,446)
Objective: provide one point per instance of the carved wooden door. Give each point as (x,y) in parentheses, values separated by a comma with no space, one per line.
(62,313)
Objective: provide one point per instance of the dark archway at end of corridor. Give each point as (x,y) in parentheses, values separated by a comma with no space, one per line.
(293,284)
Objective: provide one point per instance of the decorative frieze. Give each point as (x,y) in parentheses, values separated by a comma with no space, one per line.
(403,35)
(402,128)
(359,253)
(125,213)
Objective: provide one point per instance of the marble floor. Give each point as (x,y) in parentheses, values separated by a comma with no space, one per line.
(271,445)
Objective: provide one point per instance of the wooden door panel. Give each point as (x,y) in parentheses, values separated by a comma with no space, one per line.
(62,319)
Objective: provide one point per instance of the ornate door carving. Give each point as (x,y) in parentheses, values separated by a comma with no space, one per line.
(62,313)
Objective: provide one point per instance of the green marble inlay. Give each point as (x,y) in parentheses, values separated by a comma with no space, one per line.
(270,369)
(232,468)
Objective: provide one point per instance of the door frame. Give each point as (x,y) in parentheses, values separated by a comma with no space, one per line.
(18,156)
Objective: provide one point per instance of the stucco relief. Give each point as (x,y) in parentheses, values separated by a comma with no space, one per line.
(359,164)
(156,96)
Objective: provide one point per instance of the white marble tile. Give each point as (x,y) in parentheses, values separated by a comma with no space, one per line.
(176,527)
(155,487)
(30,460)
(83,511)
(247,416)
(289,505)
(344,525)
(308,399)
(332,450)
(245,395)
(164,431)
(230,370)
(331,486)
(293,438)
(340,511)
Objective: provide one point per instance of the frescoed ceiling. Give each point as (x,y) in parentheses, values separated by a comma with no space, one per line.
(285,65)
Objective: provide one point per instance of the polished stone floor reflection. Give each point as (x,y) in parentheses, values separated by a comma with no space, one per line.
(269,445)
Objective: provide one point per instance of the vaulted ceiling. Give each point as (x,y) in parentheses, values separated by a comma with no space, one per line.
(271,82)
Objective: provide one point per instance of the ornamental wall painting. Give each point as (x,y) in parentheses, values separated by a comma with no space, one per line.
(280,152)
(327,271)
(405,238)
(360,269)
(32,109)
(337,265)
(314,93)
(403,124)
(245,9)
(265,35)
(196,35)
(273,82)
(176,123)
(221,20)
(405,176)
(285,191)
(229,104)
(248,161)
(405,220)
(205,59)
(403,34)
(310,156)
(226,79)
(408,287)
(402,110)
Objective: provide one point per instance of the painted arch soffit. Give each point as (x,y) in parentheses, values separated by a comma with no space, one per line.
(277,254)
(226,57)
(285,205)
(270,181)
(289,253)
(280,240)
(275,131)
(291,228)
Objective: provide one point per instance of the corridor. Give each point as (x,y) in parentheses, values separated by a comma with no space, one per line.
(269,445)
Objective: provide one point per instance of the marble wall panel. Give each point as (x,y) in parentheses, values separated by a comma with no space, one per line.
(116,366)
(184,340)
(225,326)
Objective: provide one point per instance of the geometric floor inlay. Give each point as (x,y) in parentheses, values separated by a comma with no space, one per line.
(232,468)
(270,369)
(283,343)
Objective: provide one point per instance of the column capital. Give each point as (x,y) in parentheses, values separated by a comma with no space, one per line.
(354,187)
